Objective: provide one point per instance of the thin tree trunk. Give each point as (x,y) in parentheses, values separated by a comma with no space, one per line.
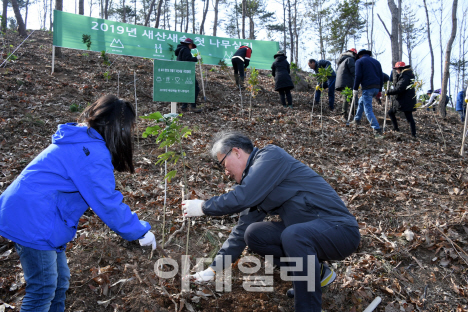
(400,31)
(448,51)
(296,34)
(124,12)
(158,15)
(193,16)
(395,33)
(50,16)
(106,10)
(4,15)
(81,7)
(19,19)
(188,15)
(284,26)
(175,15)
(58,7)
(251,28)
(372,28)
(26,10)
(237,20)
(205,11)
(440,36)
(243,17)
(215,24)
(150,11)
(430,45)
(291,38)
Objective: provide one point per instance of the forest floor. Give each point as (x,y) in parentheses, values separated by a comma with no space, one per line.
(408,194)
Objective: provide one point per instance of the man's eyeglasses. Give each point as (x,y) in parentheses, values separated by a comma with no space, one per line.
(222,160)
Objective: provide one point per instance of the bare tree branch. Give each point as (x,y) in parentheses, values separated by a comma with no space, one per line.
(384,26)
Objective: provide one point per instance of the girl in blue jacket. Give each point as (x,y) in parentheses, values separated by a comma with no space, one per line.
(40,210)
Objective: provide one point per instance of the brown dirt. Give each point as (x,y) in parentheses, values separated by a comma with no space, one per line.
(391,185)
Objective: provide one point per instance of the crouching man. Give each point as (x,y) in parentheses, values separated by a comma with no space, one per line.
(315,221)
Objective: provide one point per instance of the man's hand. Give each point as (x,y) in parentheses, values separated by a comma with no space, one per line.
(466,100)
(192,208)
(379,95)
(203,276)
(198,57)
(355,92)
(148,240)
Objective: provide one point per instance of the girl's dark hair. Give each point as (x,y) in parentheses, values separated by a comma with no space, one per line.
(113,119)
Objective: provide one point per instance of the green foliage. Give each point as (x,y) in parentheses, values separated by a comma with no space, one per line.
(87,41)
(348,93)
(322,75)
(346,25)
(212,69)
(107,75)
(169,134)
(105,58)
(294,66)
(416,84)
(253,82)
(11,57)
(75,108)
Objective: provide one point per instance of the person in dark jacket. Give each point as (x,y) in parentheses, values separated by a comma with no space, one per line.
(405,99)
(183,53)
(283,82)
(271,182)
(41,209)
(330,83)
(345,75)
(241,60)
(461,105)
(369,75)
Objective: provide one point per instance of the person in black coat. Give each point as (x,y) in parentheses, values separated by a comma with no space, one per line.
(183,53)
(241,60)
(283,82)
(405,99)
(345,75)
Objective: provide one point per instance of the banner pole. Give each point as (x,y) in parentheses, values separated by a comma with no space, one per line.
(53,59)
(173,107)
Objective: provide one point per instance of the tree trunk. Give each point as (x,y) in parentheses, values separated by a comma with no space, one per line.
(448,51)
(372,28)
(400,35)
(19,19)
(395,33)
(58,7)
(51,20)
(124,12)
(205,11)
(251,28)
(243,17)
(81,7)
(430,45)
(291,38)
(4,16)
(440,36)
(187,12)
(26,14)
(215,24)
(175,15)
(106,10)
(296,34)
(237,19)
(284,26)
(193,16)
(148,15)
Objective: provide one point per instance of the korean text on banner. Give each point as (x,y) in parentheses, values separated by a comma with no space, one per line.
(174,81)
(136,40)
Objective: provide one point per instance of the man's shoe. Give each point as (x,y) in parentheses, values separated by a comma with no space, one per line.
(327,276)
(355,122)
(195,110)
(378,133)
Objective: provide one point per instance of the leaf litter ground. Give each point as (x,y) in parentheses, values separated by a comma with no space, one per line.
(409,195)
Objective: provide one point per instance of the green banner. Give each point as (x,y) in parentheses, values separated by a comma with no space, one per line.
(174,81)
(135,40)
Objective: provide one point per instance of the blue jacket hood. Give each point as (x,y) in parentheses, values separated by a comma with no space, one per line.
(71,133)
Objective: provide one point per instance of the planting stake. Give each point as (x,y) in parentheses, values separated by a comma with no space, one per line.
(136,107)
(462,150)
(311,114)
(373,305)
(202,83)
(386,101)
(350,110)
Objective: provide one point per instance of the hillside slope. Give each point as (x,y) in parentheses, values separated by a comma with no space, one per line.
(397,186)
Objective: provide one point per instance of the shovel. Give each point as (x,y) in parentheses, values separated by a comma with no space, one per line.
(350,111)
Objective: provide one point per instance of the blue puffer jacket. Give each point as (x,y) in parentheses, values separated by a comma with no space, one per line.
(368,74)
(42,207)
(276,183)
(460,101)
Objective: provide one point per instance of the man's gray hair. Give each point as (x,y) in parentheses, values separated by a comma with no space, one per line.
(226,140)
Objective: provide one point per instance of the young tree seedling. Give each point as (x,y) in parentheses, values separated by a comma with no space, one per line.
(322,77)
(170,134)
(253,89)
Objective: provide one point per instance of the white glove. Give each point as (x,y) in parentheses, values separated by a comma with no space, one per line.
(148,240)
(203,276)
(192,208)
(198,56)
(355,92)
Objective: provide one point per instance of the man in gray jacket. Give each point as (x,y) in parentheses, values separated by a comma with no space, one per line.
(316,225)
(345,76)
